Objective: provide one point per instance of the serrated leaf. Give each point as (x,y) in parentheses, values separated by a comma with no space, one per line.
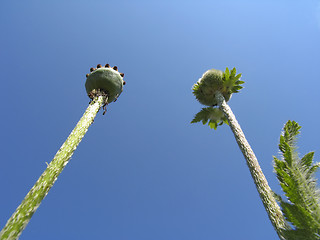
(287,154)
(227,74)
(282,144)
(240,82)
(214,115)
(295,176)
(312,170)
(233,71)
(236,88)
(238,76)
(195,87)
(299,216)
(213,125)
(291,130)
(197,118)
(307,159)
(299,234)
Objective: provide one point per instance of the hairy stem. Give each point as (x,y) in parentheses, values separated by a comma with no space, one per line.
(274,212)
(21,217)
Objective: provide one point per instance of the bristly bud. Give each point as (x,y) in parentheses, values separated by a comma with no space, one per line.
(107,65)
(92,69)
(99,66)
(122,74)
(216,81)
(205,89)
(115,68)
(87,75)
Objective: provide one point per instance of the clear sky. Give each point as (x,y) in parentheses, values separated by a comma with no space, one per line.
(143,172)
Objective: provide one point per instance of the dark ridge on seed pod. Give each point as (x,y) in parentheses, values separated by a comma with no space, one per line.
(115,68)
(107,65)
(99,66)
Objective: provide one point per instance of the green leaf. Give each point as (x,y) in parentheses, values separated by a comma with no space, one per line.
(213,125)
(299,234)
(240,82)
(195,87)
(236,88)
(226,74)
(280,169)
(312,170)
(238,76)
(198,117)
(233,71)
(214,115)
(302,204)
(286,150)
(287,154)
(307,159)
(297,215)
(291,130)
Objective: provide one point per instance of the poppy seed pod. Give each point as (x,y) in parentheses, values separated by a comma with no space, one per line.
(105,79)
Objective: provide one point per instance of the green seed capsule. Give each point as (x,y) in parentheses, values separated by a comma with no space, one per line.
(107,80)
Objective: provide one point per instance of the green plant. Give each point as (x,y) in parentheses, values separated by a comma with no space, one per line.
(296,177)
(103,85)
(213,89)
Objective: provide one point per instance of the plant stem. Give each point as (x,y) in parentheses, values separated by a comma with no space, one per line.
(21,217)
(274,212)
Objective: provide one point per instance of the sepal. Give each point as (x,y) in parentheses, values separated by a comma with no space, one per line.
(213,116)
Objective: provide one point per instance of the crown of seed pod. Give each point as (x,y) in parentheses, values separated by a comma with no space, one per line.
(215,80)
(105,79)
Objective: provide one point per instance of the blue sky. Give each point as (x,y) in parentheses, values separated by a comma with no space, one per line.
(143,171)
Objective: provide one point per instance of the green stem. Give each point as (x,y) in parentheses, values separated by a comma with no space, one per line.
(274,212)
(21,217)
